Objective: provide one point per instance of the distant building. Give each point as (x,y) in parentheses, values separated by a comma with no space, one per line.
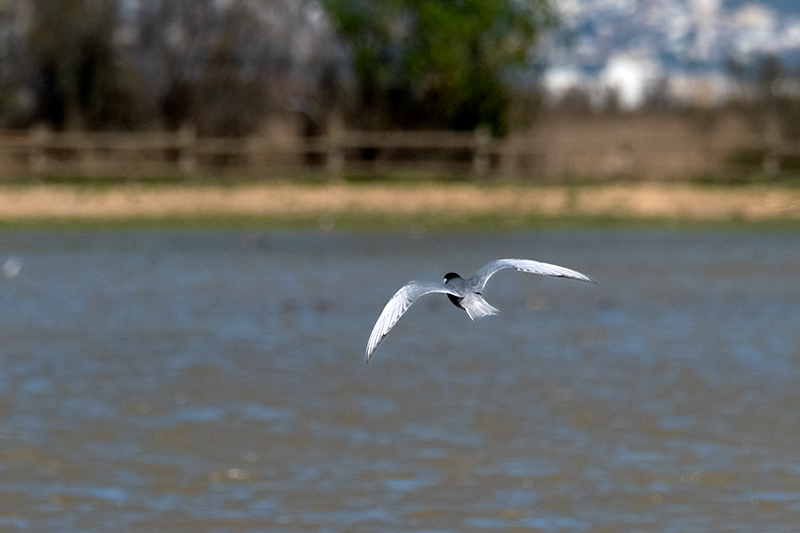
(681,47)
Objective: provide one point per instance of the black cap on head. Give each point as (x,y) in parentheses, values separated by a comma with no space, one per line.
(451,275)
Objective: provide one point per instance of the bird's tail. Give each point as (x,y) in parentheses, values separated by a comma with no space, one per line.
(476,307)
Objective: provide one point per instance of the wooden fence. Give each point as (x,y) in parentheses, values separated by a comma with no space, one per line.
(42,153)
(642,147)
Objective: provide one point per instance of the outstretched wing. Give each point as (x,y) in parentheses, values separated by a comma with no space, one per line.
(525,265)
(398,305)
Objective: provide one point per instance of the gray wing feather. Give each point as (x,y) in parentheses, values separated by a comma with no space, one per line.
(525,265)
(398,305)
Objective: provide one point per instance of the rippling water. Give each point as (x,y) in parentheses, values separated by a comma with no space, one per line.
(179,381)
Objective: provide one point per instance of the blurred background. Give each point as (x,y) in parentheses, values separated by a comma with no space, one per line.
(177,370)
(553,89)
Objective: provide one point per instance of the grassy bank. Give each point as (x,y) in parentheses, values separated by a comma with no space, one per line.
(424,206)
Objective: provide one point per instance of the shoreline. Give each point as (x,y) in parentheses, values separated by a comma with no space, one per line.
(387,205)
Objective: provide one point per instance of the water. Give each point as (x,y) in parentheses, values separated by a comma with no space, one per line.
(158,381)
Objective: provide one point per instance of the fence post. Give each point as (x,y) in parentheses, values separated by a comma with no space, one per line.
(334,155)
(37,158)
(87,154)
(508,157)
(480,159)
(771,164)
(187,153)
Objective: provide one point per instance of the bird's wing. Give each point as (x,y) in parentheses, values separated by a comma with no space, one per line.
(525,265)
(398,305)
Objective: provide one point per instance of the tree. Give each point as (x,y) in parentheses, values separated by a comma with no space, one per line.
(768,93)
(113,64)
(437,63)
(80,83)
(13,63)
(225,66)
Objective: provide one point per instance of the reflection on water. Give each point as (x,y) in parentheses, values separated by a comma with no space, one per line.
(215,382)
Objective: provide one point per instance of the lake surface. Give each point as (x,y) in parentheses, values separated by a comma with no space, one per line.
(201,381)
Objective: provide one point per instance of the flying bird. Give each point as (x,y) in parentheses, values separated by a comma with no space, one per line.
(463,293)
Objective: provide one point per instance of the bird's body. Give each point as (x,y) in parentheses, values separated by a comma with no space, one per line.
(463,293)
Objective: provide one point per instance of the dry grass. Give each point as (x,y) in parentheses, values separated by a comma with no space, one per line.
(284,200)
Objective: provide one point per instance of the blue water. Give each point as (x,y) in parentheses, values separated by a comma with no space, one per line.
(214,381)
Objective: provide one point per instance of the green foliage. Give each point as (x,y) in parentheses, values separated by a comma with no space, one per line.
(437,63)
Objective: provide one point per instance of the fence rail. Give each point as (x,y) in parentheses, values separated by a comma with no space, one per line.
(40,153)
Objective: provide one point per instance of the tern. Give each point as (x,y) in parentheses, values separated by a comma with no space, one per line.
(463,293)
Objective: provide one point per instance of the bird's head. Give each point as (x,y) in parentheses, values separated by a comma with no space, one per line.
(449,276)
